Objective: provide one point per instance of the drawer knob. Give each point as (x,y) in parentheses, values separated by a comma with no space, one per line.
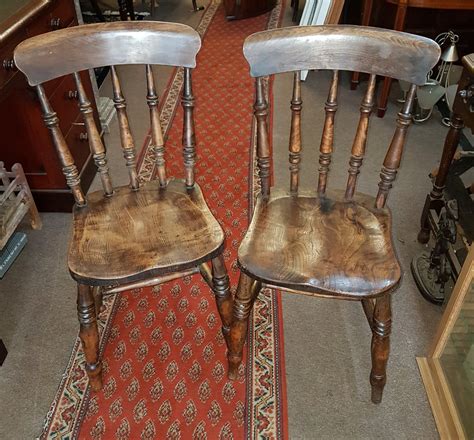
(9,65)
(55,23)
(72,94)
(83,137)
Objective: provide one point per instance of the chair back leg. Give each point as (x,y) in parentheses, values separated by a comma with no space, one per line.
(89,334)
(381,328)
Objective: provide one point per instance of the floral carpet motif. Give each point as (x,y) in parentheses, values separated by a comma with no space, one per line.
(164,357)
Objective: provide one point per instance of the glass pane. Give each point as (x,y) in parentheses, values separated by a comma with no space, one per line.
(457,362)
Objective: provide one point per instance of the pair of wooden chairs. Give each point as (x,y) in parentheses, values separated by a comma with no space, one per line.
(324,243)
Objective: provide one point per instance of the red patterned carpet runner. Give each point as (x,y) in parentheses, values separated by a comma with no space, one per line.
(164,357)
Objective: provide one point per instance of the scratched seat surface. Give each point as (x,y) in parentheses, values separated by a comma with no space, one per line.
(148,231)
(324,245)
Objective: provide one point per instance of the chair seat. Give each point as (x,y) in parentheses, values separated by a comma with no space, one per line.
(325,246)
(136,234)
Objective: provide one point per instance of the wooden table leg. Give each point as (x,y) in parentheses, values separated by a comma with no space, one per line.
(366,14)
(434,200)
(387,83)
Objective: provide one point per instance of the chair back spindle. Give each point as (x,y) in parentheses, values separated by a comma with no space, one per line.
(69,169)
(126,138)
(295,133)
(360,139)
(263,144)
(155,123)
(393,157)
(95,142)
(189,140)
(327,138)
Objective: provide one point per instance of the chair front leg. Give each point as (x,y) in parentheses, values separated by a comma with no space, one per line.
(381,328)
(247,292)
(89,334)
(221,289)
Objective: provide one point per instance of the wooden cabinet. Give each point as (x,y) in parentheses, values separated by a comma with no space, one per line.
(24,138)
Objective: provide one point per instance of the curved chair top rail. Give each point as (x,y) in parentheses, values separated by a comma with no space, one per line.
(62,52)
(334,47)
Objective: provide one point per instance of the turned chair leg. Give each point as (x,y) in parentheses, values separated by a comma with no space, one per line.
(247,292)
(381,327)
(98,299)
(89,334)
(221,288)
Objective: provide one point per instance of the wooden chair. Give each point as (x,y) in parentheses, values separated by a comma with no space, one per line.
(144,233)
(332,244)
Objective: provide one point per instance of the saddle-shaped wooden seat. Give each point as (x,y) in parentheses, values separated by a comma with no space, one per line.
(325,245)
(149,232)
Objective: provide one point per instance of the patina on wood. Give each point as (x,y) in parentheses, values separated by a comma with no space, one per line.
(328,243)
(143,233)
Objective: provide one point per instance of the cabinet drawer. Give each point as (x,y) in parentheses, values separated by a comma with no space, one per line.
(58,17)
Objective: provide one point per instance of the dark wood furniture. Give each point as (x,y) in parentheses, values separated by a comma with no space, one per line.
(239,9)
(399,25)
(333,244)
(462,115)
(140,234)
(24,138)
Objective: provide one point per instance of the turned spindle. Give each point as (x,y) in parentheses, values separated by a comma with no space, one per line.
(69,169)
(128,146)
(327,138)
(393,157)
(95,142)
(155,123)
(295,133)
(189,140)
(263,144)
(360,139)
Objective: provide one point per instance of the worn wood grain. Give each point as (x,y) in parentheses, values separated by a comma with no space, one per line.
(142,233)
(106,44)
(321,244)
(355,48)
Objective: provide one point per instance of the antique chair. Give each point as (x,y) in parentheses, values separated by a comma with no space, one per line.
(327,243)
(144,233)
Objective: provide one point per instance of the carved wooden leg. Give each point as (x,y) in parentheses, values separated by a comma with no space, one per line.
(89,335)
(247,292)
(221,288)
(381,327)
(434,200)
